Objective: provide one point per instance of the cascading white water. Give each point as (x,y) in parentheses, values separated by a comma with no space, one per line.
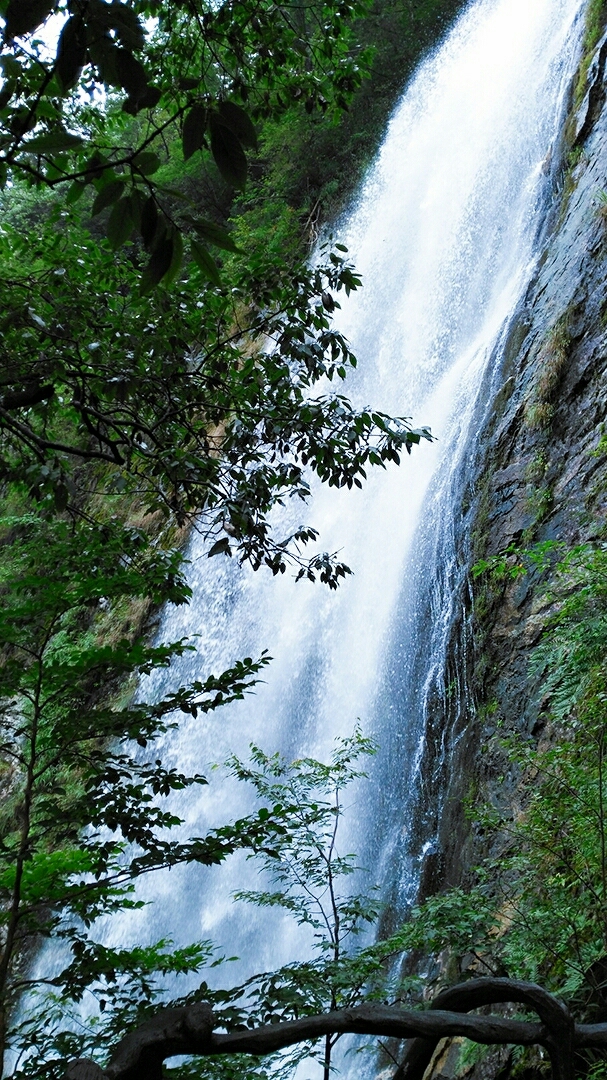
(445,235)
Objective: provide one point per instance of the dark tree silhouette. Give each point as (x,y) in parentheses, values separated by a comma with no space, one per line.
(189,1030)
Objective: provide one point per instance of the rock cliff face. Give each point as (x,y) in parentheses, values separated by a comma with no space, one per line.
(539,472)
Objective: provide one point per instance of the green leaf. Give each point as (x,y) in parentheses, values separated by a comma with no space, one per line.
(61,497)
(160,263)
(149,221)
(194,127)
(214,234)
(228,153)
(11,67)
(239,122)
(23,16)
(176,259)
(205,263)
(75,192)
(95,167)
(9,88)
(104,53)
(120,223)
(108,195)
(134,105)
(147,162)
(131,74)
(220,547)
(127,25)
(53,141)
(71,52)
(136,203)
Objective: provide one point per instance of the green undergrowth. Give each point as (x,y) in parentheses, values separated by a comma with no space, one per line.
(535,907)
(312,169)
(307,169)
(596,17)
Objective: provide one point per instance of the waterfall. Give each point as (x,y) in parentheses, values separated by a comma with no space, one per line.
(445,233)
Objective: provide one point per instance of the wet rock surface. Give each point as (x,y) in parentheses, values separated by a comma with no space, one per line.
(539,472)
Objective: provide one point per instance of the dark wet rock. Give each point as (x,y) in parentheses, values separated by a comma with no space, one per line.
(539,473)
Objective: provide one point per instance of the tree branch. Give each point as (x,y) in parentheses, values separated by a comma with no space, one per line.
(491,991)
(189,1030)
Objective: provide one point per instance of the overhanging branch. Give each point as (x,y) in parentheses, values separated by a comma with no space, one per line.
(189,1030)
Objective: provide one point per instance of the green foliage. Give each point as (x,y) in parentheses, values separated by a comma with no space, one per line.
(182,376)
(596,16)
(160,360)
(202,406)
(315,168)
(89,812)
(514,562)
(204,73)
(58,879)
(538,909)
(551,366)
(310,879)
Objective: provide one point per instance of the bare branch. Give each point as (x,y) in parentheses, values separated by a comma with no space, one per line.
(491,991)
(189,1030)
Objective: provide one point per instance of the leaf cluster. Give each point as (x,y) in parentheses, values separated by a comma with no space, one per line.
(538,909)
(209,408)
(93,806)
(205,72)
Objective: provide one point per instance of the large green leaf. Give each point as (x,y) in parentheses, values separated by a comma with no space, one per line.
(213,234)
(205,262)
(131,74)
(160,263)
(71,52)
(53,141)
(127,25)
(228,153)
(176,258)
(239,122)
(23,16)
(194,127)
(147,162)
(108,195)
(120,223)
(149,221)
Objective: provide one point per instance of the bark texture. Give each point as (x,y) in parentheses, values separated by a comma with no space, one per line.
(189,1030)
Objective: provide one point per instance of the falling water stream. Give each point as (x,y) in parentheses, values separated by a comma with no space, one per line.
(445,233)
